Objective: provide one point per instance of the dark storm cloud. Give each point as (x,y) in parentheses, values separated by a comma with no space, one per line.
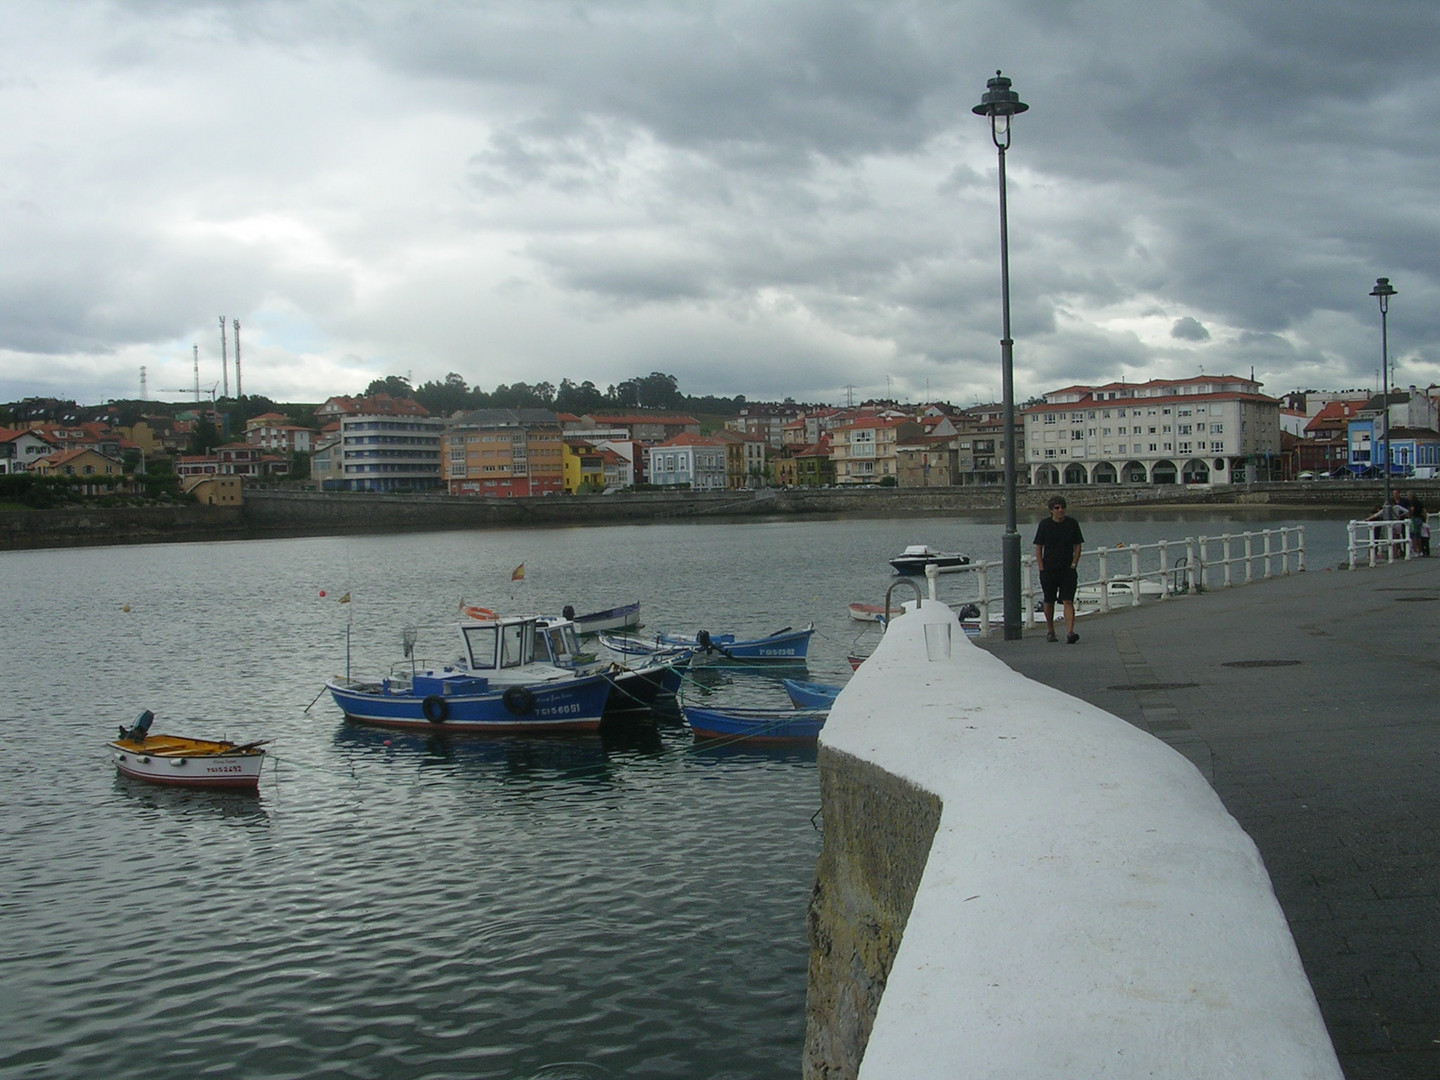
(1189,329)
(582,186)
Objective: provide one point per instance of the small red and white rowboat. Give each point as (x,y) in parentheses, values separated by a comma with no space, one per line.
(174,759)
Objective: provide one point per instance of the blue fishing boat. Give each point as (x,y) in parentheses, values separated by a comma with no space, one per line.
(756,725)
(787,646)
(810,695)
(497,685)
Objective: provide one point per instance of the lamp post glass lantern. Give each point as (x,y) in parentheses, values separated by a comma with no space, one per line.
(1383,292)
(1000,103)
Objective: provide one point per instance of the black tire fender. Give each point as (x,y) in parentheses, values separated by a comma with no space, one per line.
(435,709)
(518,700)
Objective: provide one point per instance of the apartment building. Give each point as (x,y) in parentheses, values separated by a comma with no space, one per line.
(1202,430)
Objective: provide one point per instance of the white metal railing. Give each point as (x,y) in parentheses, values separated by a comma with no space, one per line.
(1374,542)
(1132,574)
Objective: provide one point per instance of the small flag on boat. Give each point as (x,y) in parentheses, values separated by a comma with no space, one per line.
(344,599)
(518,574)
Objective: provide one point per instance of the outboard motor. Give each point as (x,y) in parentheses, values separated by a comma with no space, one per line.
(568,611)
(702,638)
(969,611)
(140,729)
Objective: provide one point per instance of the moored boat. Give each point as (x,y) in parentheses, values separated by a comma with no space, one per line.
(756,725)
(915,558)
(635,685)
(868,612)
(186,762)
(624,617)
(810,695)
(498,685)
(787,646)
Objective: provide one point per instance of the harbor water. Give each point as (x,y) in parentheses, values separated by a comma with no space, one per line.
(401,905)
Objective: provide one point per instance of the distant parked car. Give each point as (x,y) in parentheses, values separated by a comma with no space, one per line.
(1306,476)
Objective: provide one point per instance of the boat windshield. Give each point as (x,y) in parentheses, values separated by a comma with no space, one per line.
(480,644)
(559,644)
(517,645)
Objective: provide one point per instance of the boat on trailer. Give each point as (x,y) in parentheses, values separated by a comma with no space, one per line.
(184,762)
(756,725)
(498,685)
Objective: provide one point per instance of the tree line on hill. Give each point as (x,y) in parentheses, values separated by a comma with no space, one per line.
(656,391)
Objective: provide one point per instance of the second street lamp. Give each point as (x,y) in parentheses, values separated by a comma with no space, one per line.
(1000,103)
(1383,292)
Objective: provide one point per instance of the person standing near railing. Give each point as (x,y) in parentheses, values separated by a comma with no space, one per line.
(1058,543)
(1392,512)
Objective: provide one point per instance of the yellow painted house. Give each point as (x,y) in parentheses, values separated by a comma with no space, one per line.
(583,467)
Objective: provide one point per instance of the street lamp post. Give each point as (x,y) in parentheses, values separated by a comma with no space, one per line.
(1000,103)
(1382,292)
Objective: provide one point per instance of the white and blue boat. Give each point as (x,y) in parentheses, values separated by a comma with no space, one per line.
(810,695)
(624,617)
(787,646)
(498,685)
(756,725)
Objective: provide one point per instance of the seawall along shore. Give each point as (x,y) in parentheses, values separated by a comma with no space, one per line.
(271,513)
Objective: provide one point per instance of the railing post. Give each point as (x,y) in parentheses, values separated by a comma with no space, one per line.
(932,575)
(1104,584)
(1190,583)
(1204,563)
(1300,552)
(1285,552)
(1164,566)
(1265,546)
(983,601)
(1226,539)
(1249,554)
(1350,542)
(1134,575)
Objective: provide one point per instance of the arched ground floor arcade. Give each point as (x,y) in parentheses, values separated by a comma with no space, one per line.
(1194,470)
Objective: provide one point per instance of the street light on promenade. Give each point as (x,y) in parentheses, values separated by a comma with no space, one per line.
(1383,292)
(1000,103)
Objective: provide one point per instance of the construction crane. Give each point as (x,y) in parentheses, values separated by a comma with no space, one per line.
(196,353)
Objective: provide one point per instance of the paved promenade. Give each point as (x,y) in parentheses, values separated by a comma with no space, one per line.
(1312,704)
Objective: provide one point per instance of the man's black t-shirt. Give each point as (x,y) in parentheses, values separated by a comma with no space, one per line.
(1057,540)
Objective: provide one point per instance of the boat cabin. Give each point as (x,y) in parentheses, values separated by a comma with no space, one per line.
(497,644)
(520,641)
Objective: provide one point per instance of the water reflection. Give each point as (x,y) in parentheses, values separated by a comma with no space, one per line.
(241,806)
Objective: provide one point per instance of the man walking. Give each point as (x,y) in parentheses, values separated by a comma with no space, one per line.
(1058,542)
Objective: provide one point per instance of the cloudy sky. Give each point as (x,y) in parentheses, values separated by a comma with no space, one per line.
(757,196)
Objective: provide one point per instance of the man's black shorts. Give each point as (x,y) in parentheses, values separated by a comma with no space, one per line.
(1059,584)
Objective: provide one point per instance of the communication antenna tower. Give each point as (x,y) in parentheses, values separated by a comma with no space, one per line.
(142,382)
(236,324)
(196,348)
(224,359)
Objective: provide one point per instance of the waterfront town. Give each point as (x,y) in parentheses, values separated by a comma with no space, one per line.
(1204,430)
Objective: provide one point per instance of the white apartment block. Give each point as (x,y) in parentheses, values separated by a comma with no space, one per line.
(1203,430)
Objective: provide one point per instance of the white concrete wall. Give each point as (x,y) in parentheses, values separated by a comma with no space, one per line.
(1088,908)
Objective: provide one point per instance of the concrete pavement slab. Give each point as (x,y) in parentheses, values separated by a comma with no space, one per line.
(1309,702)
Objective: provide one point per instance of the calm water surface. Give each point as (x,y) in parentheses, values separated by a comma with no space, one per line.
(396,905)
